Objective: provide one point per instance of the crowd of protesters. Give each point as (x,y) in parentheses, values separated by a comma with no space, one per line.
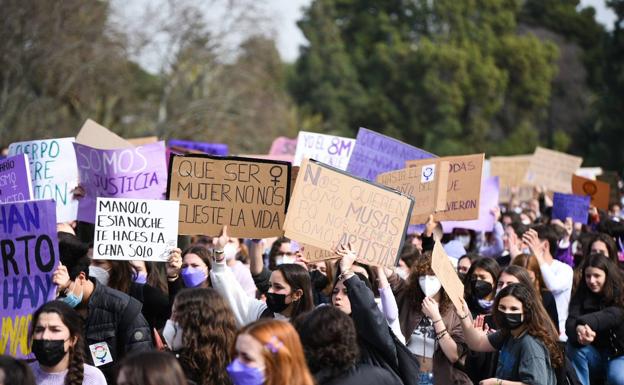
(543,304)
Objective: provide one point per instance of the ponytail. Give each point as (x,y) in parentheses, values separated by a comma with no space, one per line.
(75,374)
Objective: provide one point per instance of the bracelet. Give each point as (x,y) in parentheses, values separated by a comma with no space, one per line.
(436,321)
(344,274)
(441,335)
(464,317)
(442,331)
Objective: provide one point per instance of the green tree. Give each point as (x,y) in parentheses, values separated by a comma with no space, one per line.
(450,76)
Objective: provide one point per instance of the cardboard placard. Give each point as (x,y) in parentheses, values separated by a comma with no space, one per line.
(15,181)
(598,191)
(552,169)
(425,183)
(511,171)
(135,172)
(613,179)
(283,146)
(219,149)
(250,196)
(330,208)
(332,150)
(569,205)
(97,136)
(143,141)
(464,185)
(315,254)
(375,153)
(30,256)
(135,229)
(489,199)
(444,270)
(53,171)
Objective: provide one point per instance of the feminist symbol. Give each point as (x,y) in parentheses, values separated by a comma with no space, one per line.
(100,353)
(275,179)
(589,188)
(427,173)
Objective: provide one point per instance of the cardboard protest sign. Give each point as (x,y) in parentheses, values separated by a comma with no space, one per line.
(375,153)
(511,171)
(97,136)
(315,254)
(613,179)
(488,201)
(250,196)
(573,206)
(53,171)
(143,141)
(464,185)
(207,148)
(331,208)
(425,183)
(141,229)
(283,146)
(15,182)
(552,169)
(332,150)
(136,172)
(30,255)
(443,269)
(598,191)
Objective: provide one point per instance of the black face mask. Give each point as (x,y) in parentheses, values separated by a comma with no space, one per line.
(276,302)
(511,321)
(319,280)
(462,276)
(48,352)
(481,289)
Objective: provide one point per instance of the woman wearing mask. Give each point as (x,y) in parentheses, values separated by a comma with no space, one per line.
(122,276)
(530,264)
(463,264)
(57,344)
(151,273)
(430,326)
(269,352)
(201,331)
(595,324)
(529,351)
(188,269)
(479,292)
(288,296)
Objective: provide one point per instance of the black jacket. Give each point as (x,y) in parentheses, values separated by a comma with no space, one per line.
(156,307)
(115,318)
(358,375)
(606,321)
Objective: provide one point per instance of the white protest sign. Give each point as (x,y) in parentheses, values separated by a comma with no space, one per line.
(141,229)
(332,150)
(53,171)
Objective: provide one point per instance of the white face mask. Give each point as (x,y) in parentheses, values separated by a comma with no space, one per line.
(429,284)
(229,251)
(173,335)
(281,259)
(401,272)
(100,274)
(464,240)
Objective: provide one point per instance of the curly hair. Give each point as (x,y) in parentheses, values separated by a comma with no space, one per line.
(336,348)
(209,331)
(151,368)
(73,322)
(613,290)
(422,267)
(536,320)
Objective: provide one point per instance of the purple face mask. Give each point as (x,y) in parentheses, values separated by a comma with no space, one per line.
(242,374)
(193,276)
(140,277)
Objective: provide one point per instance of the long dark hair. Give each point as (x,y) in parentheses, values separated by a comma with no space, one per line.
(523,277)
(612,292)
(73,322)
(274,251)
(607,240)
(120,275)
(209,331)
(204,254)
(297,278)
(488,264)
(151,368)
(16,371)
(536,320)
(422,267)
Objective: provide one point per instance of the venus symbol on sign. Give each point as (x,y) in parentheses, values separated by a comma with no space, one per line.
(275,179)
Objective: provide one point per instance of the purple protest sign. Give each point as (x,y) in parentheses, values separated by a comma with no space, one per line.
(138,172)
(375,153)
(15,183)
(488,200)
(283,146)
(573,206)
(30,256)
(218,149)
